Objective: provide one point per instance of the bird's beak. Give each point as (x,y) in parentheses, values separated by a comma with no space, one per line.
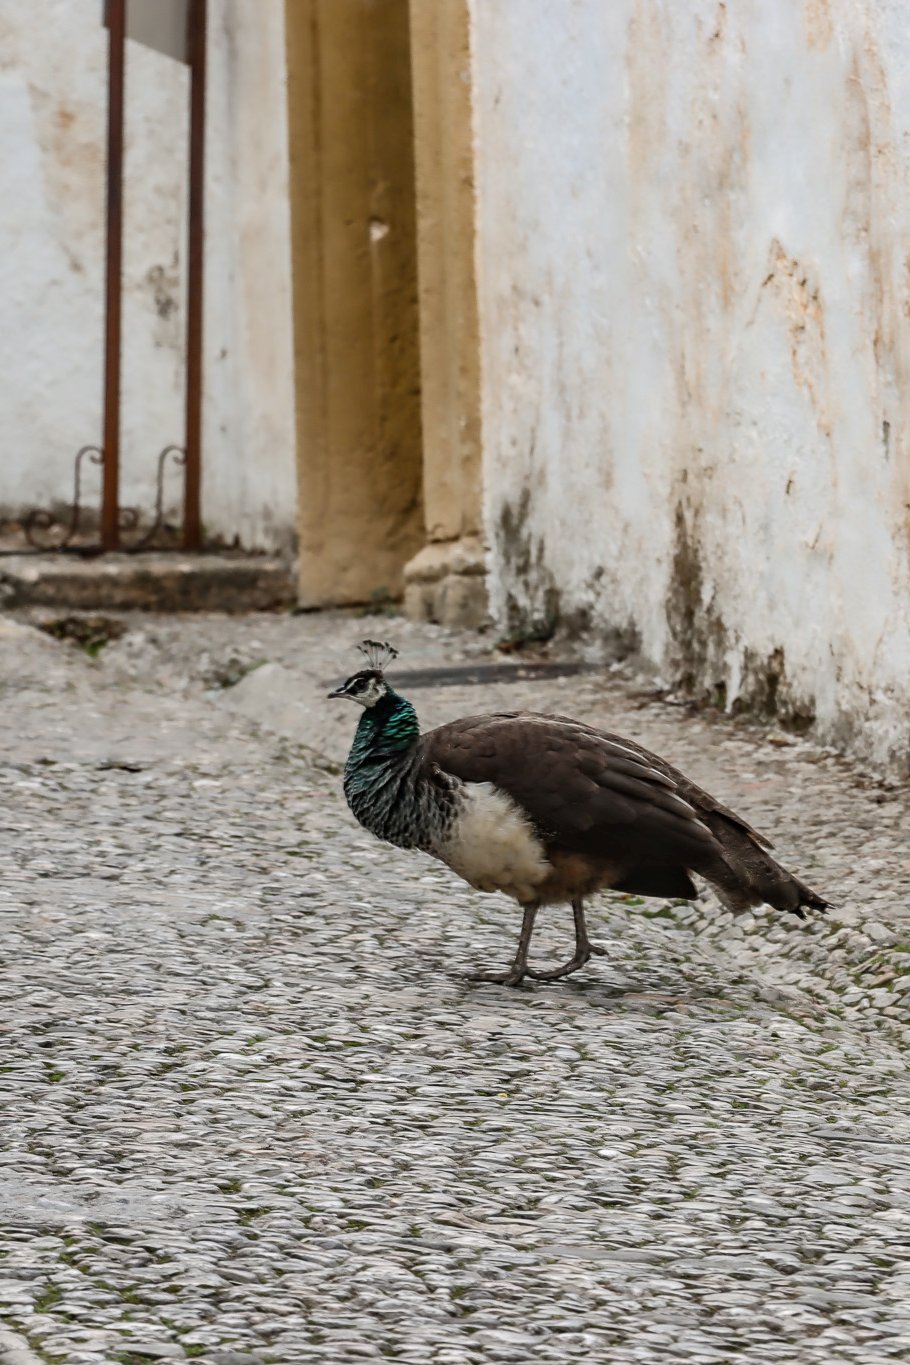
(339,692)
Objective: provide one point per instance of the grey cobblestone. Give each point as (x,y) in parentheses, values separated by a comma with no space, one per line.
(253,1110)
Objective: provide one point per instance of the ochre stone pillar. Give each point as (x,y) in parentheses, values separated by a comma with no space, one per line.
(355,297)
(445,581)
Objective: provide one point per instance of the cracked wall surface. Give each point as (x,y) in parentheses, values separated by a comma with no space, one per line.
(53,81)
(694,228)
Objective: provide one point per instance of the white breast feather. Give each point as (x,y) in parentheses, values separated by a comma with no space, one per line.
(493,845)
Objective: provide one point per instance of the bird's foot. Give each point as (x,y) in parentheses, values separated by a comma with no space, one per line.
(513,977)
(597,949)
(574,965)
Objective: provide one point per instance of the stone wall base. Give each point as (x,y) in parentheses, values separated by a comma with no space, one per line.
(446,582)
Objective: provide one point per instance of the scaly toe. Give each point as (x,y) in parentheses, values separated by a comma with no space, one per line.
(558,972)
(513,977)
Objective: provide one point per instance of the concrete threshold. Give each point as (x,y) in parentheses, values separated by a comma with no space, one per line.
(159,581)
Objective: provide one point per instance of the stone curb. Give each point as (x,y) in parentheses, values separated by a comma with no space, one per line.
(152,582)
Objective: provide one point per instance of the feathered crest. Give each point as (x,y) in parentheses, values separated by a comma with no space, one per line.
(378,653)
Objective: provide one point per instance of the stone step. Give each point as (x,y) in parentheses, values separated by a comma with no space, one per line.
(158,581)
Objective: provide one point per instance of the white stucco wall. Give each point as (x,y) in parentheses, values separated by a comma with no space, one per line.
(53,56)
(694,251)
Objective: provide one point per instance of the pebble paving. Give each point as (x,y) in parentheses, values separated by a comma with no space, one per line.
(253,1111)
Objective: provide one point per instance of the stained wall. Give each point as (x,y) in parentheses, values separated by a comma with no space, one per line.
(694,265)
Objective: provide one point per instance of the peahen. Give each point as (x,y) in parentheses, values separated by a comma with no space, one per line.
(547,810)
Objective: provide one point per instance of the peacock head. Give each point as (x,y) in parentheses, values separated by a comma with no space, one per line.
(368,685)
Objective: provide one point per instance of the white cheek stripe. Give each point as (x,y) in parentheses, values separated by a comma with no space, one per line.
(367,699)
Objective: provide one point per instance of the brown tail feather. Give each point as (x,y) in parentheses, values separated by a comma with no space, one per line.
(747,875)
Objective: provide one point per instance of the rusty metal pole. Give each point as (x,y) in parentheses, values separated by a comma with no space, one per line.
(192,517)
(110,498)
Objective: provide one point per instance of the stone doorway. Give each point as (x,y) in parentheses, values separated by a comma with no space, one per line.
(385,306)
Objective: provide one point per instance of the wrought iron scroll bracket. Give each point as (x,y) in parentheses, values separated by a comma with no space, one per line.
(145,542)
(39,523)
(44,531)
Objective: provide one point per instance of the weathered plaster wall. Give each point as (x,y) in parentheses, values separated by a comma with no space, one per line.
(52,152)
(695,289)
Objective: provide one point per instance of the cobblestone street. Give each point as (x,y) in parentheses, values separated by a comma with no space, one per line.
(253,1110)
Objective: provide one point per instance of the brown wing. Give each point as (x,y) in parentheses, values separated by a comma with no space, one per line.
(585,790)
(703,802)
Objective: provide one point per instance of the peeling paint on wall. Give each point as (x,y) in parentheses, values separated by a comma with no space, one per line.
(694,260)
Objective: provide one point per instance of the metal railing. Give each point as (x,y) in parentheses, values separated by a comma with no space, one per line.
(121,528)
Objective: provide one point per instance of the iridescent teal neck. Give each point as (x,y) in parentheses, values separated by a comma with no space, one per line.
(386,731)
(383,782)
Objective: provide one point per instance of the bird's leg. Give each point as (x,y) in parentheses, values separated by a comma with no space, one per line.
(584,948)
(582,942)
(519,968)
